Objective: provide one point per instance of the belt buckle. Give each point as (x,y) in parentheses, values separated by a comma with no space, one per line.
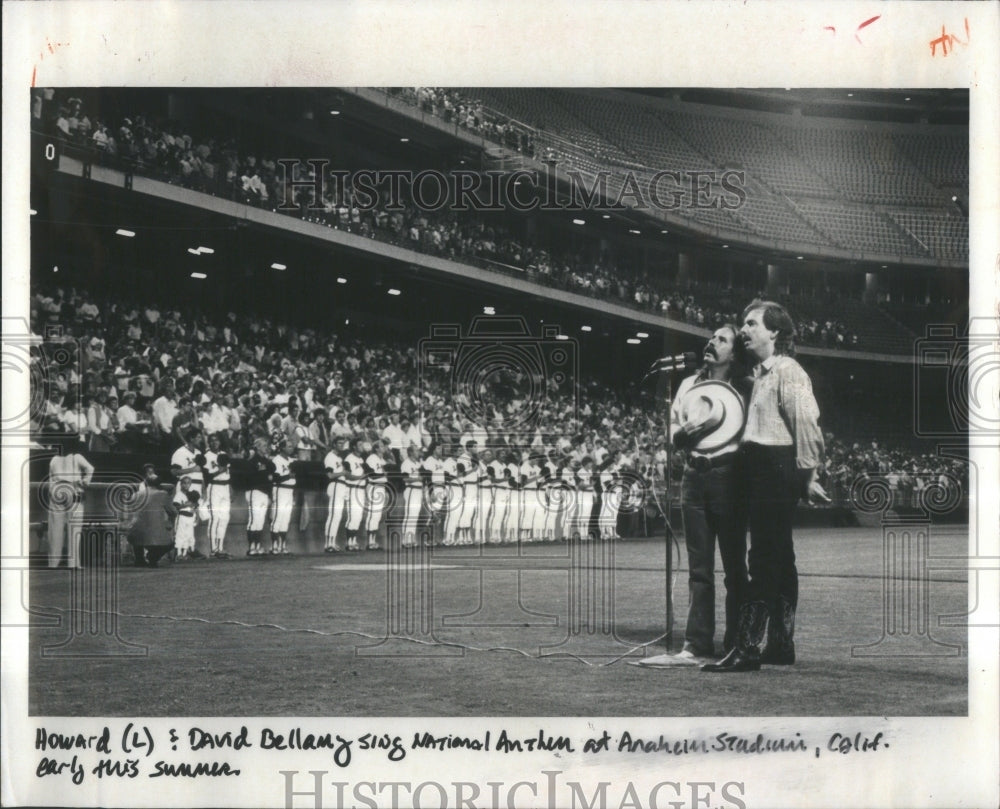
(701,463)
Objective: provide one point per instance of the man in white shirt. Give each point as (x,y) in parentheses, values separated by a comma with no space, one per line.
(69,475)
(165,410)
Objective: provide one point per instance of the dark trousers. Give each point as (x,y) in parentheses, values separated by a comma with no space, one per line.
(772,491)
(712,505)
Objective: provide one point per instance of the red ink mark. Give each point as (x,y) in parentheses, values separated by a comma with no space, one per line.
(947,39)
(830,28)
(34,71)
(863,25)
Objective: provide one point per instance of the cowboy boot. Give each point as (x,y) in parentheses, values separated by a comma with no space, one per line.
(780,649)
(745,655)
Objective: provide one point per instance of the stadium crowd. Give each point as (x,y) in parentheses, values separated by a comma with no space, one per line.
(148,380)
(588,267)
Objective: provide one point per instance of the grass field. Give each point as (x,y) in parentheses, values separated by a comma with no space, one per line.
(493,625)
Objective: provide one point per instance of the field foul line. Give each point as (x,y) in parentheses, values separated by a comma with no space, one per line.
(305,631)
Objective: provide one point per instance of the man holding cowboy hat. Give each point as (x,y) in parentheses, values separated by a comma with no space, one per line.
(707,415)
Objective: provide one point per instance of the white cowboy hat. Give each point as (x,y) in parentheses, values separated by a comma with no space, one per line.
(720,407)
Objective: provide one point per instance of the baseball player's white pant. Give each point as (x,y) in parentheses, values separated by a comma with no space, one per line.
(470,499)
(281,515)
(184,532)
(455,506)
(584,510)
(541,510)
(356,503)
(413,500)
(219,504)
(481,522)
(202,509)
(553,505)
(379,496)
(338,495)
(569,512)
(63,524)
(610,502)
(529,507)
(514,513)
(498,517)
(257,502)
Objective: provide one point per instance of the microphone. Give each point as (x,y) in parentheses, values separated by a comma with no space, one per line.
(678,362)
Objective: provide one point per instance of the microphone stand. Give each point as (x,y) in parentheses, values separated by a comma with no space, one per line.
(670,537)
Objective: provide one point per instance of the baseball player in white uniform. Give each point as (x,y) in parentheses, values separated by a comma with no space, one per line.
(69,475)
(571,494)
(453,477)
(337,492)
(257,496)
(354,479)
(499,476)
(468,467)
(529,498)
(516,497)
(185,501)
(481,521)
(187,461)
(282,497)
(413,495)
(585,497)
(218,499)
(553,496)
(378,492)
(437,493)
(607,520)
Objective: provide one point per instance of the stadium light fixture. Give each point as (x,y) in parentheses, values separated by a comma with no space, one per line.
(585,328)
(341,280)
(579,222)
(664,231)
(198,275)
(633,230)
(633,341)
(277,266)
(334,112)
(606,216)
(799,258)
(725,247)
(128,234)
(850,95)
(206,250)
(906,99)
(642,335)
(404,140)
(394,291)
